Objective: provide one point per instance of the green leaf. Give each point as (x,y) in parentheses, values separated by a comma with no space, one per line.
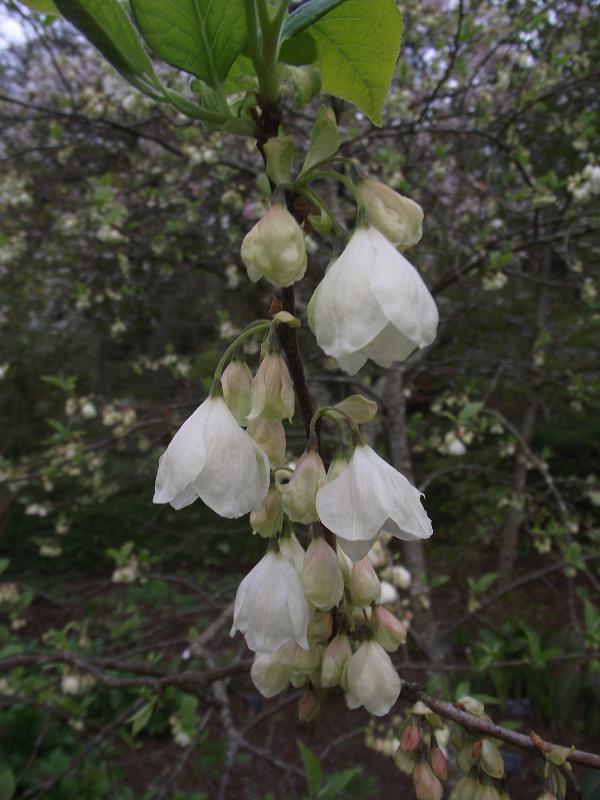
(324,139)
(312,768)
(337,783)
(202,37)
(355,45)
(7,784)
(43,6)
(307,15)
(142,717)
(280,156)
(108,27)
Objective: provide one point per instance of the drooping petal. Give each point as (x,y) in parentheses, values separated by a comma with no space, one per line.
(372,680)
(356,550)
(235,478)
(270,607)
(184,458)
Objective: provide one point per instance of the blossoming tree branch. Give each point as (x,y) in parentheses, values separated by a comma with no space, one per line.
(312,610)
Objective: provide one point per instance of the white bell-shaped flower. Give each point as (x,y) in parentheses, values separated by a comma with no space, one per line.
(275,249)
(372,680)
(372,303)
(369,496)
(270,607)
(212,458)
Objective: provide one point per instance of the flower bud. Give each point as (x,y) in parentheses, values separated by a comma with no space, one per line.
(272,390)
(236,380)
(268,674)
(398,218)
(300,494)
(364,584)
(465,789)
(401,577)
(405,761)
(336,655)
(337,466)
(268,521)
(486,793)
(321,577)
(410,738)
(389,594)
(291,549)
(439,764)
(271,437)
(427,786)
(298,660)
(275,248)
(390,632)
(308,706)
(492,762)
(320,627)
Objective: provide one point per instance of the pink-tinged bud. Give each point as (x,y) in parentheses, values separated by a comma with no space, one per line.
(321,577)
(308,706)
(439,764)
(320,627)
(398,218)
(364,584)
(300,494)
(465,789)
(336,655)
(268,521)
(410,738)
(236,380)
(390,632)
(271,437)
(275,248)
(272,390)
(427,786)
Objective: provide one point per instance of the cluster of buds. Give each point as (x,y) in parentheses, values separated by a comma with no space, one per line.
(421,751)
(315,619)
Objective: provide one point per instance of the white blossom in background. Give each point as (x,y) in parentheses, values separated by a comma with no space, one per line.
(212,458)
(372,680)
(270,606)
(275,249)
(370,496)
(372,303)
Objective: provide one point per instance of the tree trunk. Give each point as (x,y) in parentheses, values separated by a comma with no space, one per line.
(424,624)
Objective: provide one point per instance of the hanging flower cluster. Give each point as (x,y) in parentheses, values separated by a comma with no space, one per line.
(318,617)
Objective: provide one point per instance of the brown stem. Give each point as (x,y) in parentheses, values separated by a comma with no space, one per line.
(413,692)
